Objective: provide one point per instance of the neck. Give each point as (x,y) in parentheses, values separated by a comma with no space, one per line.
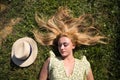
(69,58)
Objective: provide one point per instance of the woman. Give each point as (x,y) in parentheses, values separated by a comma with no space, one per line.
(66,33)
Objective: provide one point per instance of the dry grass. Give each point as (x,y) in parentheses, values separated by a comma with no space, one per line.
(8,28)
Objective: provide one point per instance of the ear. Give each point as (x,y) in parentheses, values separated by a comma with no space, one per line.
(73,46)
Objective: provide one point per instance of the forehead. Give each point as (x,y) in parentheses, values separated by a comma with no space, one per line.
(64,39)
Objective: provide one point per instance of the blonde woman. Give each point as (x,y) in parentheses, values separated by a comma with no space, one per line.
(66,33)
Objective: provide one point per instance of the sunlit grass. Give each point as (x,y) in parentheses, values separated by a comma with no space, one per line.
(100,56)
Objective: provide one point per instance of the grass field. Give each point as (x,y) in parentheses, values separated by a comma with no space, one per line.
(17,21)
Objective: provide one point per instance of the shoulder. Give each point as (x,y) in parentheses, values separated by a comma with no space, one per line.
(83,61)
(46,63)
(47,60)
(84,58)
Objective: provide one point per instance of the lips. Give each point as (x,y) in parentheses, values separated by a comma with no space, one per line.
(63,52)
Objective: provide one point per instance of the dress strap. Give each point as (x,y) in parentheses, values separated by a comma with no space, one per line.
(87,64)
(52,54)
(52,57)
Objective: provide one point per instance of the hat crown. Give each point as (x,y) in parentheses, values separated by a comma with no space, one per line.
(22,51)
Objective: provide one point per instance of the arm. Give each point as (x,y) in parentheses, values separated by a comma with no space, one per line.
(90,75)
(44,71)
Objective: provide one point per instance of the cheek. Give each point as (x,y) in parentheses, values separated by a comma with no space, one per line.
(59,49)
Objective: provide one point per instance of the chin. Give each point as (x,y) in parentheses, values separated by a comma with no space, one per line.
(64,55)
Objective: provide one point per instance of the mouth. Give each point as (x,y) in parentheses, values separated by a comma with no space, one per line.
(62,52)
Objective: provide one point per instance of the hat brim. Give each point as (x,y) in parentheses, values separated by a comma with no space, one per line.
(31,58)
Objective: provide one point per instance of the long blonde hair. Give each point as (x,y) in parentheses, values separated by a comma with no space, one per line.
(62,23)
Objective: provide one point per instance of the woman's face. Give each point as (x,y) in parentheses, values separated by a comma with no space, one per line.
(65,46)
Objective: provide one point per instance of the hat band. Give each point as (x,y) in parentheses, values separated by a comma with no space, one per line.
(29,53)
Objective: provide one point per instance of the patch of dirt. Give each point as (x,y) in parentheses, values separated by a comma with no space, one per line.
(3,11)
(6,25)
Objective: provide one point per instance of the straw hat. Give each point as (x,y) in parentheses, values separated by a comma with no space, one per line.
(24,52)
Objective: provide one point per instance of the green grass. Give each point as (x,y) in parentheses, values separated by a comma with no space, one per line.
(103,58)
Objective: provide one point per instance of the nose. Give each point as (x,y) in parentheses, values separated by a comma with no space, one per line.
(62,46)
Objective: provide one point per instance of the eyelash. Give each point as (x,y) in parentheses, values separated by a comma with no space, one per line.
(65,44)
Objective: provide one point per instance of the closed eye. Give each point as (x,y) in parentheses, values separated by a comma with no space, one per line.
(65,44)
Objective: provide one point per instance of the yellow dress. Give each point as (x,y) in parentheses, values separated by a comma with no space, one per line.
(57,71)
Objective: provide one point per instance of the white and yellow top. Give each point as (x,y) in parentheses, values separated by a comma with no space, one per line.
(57,71)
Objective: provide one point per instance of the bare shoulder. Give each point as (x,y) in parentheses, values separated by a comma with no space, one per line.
(44,70)
(47,61)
